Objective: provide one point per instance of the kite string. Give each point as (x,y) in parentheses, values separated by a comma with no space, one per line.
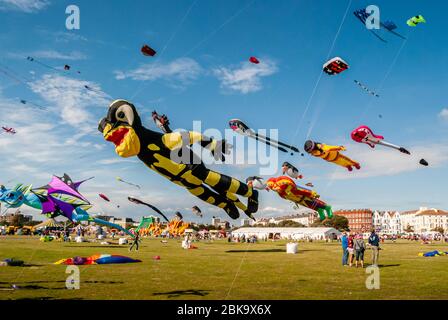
(321,73)
(238,270)
(208,37)
(391,66)
(386,76)
(159,56)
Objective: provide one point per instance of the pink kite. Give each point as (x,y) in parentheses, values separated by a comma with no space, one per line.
(364,134)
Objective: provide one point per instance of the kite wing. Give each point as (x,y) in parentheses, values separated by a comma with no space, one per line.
(391,26)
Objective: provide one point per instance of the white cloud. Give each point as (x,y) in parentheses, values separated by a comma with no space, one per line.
(49,54)
(383,161)
(245,78)
(115,161)
(53,54)
(27,6)
(183,70)
(444,114)
(71,98)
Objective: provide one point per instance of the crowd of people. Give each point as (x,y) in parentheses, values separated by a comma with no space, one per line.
(354,247)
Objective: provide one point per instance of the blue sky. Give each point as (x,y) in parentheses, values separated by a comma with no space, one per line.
(201,72)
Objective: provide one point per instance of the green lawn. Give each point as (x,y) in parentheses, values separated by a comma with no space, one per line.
(221,270)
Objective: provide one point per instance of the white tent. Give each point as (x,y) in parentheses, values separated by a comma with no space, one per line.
(288,233)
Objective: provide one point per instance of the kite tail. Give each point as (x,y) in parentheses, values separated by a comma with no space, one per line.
(112,225)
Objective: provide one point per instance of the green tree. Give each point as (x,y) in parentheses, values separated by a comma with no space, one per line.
(338,222)
(290,224)
(439,230)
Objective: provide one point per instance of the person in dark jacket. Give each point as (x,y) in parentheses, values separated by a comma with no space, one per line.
(374,242)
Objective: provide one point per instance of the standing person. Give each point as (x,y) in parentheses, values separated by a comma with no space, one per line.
(136,242)
(344,241)
(359,247)
(374,242)
(350,249)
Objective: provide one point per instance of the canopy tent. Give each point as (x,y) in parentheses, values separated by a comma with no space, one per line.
(289,233)
(50,223)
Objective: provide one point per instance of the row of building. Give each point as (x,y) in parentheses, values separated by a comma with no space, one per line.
(364,220)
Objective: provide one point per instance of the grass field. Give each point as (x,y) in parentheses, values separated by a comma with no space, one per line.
(221,270)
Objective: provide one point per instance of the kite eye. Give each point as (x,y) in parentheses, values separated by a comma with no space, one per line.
(125,114)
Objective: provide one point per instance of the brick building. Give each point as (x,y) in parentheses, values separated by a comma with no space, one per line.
(359,220)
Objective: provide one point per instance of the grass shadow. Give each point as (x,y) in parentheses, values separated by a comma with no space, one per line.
(179,293)
(260,250)
(97,246)
(388,265)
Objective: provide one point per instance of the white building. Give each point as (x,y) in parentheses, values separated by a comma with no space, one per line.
(306,218)
(387,222)
(424,219)
(288,233)
(247,222)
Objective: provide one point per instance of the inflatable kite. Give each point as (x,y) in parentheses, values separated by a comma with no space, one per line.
(8,130)
(291,171)
(434,253)
(179,215)
(148,51)
(105,198)
(330,154)
(129,183)
(240,127)
(335,66)
(60,197)
(137,201)
(288,190)
(162,122)
(197,211)
(123,127)
(414,21)
(254,60)
(366,89)
(97,259)
(388,25)
(423,162)
(364,134)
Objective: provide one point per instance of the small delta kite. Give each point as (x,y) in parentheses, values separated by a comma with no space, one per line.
(414,21)
(335,66)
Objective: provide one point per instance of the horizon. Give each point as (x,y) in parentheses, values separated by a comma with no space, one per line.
(201,73)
